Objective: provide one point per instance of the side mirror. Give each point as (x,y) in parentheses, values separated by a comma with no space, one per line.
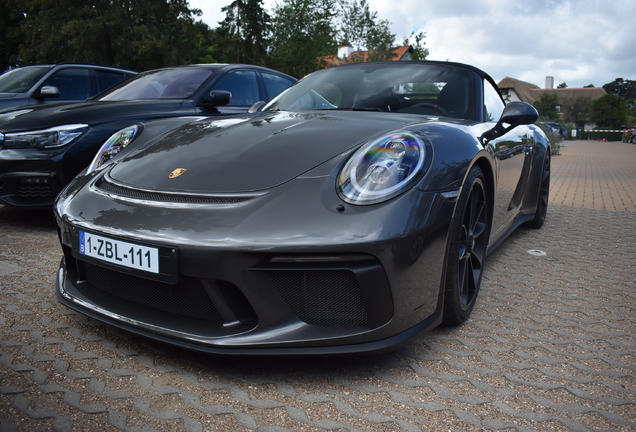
(514,114)
(48,92)
(256,107)
(218,98)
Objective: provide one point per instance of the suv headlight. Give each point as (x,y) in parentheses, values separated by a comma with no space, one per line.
(382,168)
(57,136)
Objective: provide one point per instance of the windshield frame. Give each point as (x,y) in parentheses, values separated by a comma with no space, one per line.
(157,85)
(384,86)
(13,76)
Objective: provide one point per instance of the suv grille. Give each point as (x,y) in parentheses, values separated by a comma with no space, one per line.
(33,191)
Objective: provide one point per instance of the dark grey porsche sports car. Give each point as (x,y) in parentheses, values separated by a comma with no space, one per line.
(348,215)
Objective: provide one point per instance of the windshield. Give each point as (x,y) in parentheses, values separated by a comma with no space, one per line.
(401,87)
(178,83)
(22,79)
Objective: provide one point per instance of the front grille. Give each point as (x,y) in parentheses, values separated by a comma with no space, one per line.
(162,197)
(33,191)
(187,298)
(322,297)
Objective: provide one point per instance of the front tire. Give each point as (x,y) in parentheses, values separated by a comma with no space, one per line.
(469,234)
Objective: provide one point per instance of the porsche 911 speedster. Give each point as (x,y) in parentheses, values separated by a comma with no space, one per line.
(347,215)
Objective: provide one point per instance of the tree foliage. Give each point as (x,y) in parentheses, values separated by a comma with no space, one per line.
(148,34)
(420,52)
(547,106)
(609,111)
(623,88)
(358,25)
(135,34)
(242,37)
(10,35)
(576,109)
(302,31)
(563,85)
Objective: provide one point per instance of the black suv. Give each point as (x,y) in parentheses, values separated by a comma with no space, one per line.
(32,85)
(43,147)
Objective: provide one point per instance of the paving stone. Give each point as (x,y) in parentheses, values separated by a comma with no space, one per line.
(551,344)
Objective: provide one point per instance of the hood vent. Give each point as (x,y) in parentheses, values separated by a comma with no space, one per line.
(113,189)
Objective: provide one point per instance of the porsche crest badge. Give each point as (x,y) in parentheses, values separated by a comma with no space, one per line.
(177,172)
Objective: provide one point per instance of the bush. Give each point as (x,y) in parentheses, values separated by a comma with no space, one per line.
(555,139)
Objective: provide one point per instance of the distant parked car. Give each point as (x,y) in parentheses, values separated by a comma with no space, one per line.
(43,147)
(559,130)
(67,82)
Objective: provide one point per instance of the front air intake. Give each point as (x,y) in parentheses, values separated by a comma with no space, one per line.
(322,297)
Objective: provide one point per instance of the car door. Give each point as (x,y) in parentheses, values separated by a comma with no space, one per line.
(243,84)
(512,153)
(73,83)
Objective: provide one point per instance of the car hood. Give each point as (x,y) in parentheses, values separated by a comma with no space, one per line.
(250,154)
(93,112)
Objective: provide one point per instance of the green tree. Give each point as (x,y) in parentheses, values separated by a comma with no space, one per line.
(136,34)
(609,111)
(623,88)
(576,109)
(360,26)
(302,31)
(243,34)
(562,85)
(380,42)
(420,52)
(547,106)
(10,35)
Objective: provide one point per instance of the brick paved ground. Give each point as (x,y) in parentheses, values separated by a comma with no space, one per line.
(551,344)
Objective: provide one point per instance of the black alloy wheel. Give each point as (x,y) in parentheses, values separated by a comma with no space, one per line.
(470,230)
(544,196)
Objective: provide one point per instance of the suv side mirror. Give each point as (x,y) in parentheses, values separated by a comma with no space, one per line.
(514,114)
(48,91)
(218,98)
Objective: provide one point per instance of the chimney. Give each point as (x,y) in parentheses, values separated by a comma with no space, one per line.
(345,50)
(549,82)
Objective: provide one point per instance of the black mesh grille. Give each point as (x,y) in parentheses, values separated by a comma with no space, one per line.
(187,298)
(33,191)
(322,297)
(155,196)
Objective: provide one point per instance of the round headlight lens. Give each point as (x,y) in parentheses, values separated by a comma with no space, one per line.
(113,145)
(382,168)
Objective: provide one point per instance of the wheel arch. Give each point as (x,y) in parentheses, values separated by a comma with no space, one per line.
(489,174)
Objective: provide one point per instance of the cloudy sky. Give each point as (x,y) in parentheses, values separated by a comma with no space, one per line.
(578,42)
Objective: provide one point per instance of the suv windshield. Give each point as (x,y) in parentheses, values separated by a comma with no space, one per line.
(161,84)
(22,79)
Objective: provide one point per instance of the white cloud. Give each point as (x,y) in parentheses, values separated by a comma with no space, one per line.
(575,41)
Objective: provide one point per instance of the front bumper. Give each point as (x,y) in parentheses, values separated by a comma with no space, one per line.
(252,280)
(30,177)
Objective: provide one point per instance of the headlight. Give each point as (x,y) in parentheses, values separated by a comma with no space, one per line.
(113,145)
(382,168)
(46,138)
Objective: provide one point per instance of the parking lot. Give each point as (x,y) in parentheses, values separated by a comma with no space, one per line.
(551,344)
